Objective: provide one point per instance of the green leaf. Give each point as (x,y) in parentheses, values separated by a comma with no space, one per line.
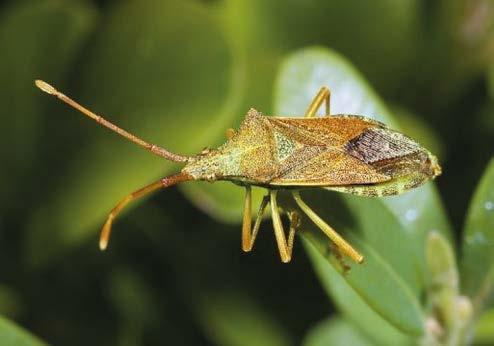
(353,306)
(477,263)
(357,311)
(484,333)
(38,39)
(393,229)
(170,79)
(335,331)
(375,283)
(13,335)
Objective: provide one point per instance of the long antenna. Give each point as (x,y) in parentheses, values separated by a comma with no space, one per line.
(47,88)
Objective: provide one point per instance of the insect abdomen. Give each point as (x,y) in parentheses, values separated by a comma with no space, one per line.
(389,188)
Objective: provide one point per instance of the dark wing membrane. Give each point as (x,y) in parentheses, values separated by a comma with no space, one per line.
(377,145)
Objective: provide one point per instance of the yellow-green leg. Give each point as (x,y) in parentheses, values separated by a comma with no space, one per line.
(285,247)
(146,190)
(322,96)
(342,245)
(249,235)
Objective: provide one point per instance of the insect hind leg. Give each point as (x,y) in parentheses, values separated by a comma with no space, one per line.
(339,242)
(323,96)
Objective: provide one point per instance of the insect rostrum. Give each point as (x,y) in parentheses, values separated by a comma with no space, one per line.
(345,153)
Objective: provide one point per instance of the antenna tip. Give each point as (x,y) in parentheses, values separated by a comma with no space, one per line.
(103,244)
(105,234)
(47,88)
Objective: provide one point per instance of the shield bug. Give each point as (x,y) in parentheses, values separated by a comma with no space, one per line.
(345,153)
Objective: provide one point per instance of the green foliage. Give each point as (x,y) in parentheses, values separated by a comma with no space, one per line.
(484,334)
(253,326)
(13,335)
(478,257)
(335,331)
(179,73)
(50,49)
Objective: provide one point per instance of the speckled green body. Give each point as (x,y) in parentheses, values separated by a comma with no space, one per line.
(345,153)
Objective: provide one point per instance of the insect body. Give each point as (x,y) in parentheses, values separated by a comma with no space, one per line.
(344,153)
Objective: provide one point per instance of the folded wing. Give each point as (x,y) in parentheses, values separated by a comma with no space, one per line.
(321,156)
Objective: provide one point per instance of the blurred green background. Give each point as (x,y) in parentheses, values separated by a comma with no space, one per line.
(179,73)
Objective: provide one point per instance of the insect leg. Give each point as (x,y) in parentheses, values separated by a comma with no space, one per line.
(294,224)
(248,235)
(323,95)
(344,247)
(284,248)
(247,220)
(160,184)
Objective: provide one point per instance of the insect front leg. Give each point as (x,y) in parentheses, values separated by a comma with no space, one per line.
(342,245)
(146,190)
(249,235)
(322,96)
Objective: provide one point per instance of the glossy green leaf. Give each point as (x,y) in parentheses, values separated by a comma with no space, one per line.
(484,333)
(13,335)
(354,307)
(394,228)
(48,51)
(383,291)
(335,331)
(477,263)
(170,79)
